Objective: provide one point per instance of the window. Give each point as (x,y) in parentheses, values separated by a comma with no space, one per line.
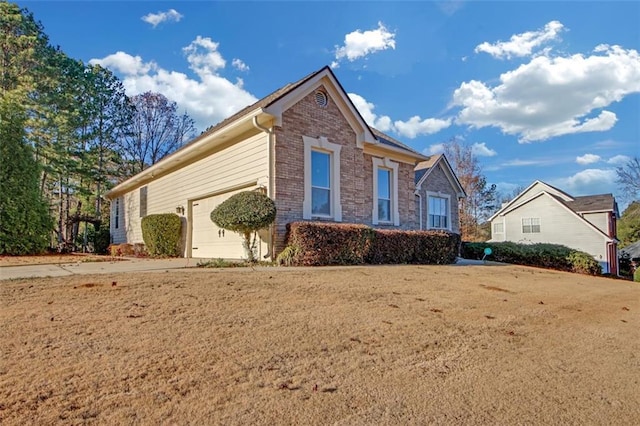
(143,201)
(498,227)
(320,183)
(116,218)
(438,209)
(384,195)
(385,192)
(321,179)
(530,225)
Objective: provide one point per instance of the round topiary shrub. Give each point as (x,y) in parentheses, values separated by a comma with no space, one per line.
(245,213)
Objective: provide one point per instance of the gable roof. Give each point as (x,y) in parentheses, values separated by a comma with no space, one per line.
(263,111)
(424,168)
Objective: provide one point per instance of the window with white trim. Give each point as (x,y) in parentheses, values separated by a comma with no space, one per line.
(438,211)
(530,225)
(385,192)
(498,227)
(321,179)
(320,183)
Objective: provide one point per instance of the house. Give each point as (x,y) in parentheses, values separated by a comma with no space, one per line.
(544,214)
(308,148)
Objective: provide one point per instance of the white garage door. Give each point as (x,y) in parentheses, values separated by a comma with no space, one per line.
(207,239)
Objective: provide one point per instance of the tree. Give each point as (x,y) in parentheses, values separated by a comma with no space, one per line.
(481,199)
(25,224)
(245,213)
(629,179)
(156,130)
(629,225)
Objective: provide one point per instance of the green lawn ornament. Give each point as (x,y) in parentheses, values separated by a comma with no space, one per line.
(487,252)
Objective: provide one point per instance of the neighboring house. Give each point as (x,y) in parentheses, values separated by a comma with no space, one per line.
(308,148)
(544,214)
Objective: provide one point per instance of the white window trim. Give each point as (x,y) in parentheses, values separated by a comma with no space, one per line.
(322,144)
(531,225)
(439,195)
(386,163)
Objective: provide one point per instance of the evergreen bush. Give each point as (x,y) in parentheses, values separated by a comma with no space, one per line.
(245,213)
(161,234)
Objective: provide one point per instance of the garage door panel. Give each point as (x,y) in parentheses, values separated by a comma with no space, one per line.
(208,240)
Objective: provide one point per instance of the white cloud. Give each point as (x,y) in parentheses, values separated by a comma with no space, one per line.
(412,128)
(382,123)
(482,150)
(619,160)
(589,182)
(588,159)
(522,44)
(124,63)
(208,98)
(239,65)
(157,18)
(437,148)
(550,97)
(358,44)
(417,126)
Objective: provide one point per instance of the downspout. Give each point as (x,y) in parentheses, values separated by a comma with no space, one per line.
(417,194)
(269,132)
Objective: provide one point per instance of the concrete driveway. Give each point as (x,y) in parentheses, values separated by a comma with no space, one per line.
(81,268)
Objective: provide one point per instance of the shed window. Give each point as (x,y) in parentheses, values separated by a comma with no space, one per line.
(143,201)
(530,225)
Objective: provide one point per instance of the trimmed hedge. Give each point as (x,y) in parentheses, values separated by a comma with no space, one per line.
(161,234)
(320,243)
(550,256)
(417,247)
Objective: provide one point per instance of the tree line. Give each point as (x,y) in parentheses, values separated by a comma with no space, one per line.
(68,133)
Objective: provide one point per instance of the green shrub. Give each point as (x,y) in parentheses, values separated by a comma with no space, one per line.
(101,240)
(418,247)
(246,213)
(329,243)
(636,275)
(320,243)
(161,234)
(550,256)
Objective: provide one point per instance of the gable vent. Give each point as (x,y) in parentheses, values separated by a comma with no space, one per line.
(321,98)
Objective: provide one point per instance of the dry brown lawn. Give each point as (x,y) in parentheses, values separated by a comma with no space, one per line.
(372,345)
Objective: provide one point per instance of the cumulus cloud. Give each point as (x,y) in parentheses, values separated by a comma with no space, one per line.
(239,65)
(417,126)
(587,159)
(155,19)
(412,128)
(589,182)
(550,97)
(382,123)
(437,148)
(522,44)
(358,44)
(208,98)
(482,150)
(619,160)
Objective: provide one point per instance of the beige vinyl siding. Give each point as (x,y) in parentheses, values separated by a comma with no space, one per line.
(599,220)
(238,165)
(557,225)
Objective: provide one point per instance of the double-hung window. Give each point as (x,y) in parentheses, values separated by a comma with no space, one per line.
(321,179)
(530,225)
(385,192)
(320,183)
(116,214)
(438,212)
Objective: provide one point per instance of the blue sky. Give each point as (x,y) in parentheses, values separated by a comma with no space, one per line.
(541,90)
